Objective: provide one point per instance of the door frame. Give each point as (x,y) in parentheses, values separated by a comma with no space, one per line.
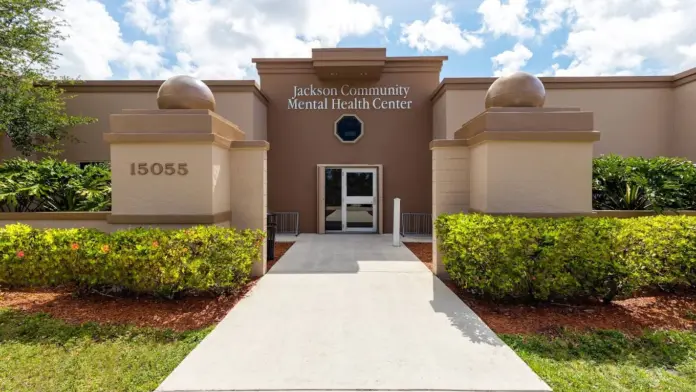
(345,199)
(321,198)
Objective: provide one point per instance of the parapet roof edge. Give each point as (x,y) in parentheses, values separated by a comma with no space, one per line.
(257,60)
(574,82)
(153,85)
(685,77)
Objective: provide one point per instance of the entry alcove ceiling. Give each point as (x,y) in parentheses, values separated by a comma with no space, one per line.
(349,63)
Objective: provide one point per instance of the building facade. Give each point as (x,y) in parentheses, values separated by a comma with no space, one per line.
(350,129)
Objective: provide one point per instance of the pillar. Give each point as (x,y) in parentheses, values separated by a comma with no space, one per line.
(531,161)
(170,167)
(249,190)
(175,168)
(450,166)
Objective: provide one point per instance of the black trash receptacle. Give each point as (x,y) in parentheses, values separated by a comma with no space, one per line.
(271,227)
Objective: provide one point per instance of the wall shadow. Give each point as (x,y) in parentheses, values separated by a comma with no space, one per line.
(461,316)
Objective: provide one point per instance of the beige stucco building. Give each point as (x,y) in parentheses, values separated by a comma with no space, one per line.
(351,129)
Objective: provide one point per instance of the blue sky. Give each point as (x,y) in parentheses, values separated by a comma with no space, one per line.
(215,39)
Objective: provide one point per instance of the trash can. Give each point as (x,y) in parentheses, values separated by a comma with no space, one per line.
(271,227)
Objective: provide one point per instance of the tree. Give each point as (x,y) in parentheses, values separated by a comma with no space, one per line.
(32,103)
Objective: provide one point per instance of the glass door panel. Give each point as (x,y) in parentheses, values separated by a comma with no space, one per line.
(359,200)
(333,196)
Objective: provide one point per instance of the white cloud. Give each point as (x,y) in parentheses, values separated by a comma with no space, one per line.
(620,37)
(209,39)
(215,39)
(689,53)
(141,14)
(511,61)
(218,38)
(94,45)
(439,32)
(510,18)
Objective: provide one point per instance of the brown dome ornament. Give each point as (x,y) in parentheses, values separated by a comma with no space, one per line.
(185,92)
(519,89)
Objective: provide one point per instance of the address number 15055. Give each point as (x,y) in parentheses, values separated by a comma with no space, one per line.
(168,169)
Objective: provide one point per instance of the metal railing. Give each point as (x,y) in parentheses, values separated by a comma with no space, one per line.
(287,222)
(416,224)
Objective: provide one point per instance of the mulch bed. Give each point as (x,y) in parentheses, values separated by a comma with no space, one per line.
(280,249)
(422,250)
(178,314)
(633,315)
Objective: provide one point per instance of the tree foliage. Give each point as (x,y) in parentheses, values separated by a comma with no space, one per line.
(32,104)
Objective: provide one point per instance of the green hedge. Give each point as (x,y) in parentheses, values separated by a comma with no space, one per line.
(565,258)
(52,185)
(141,260)
(637,183)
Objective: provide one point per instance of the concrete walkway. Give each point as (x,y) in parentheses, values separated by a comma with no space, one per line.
(348,313)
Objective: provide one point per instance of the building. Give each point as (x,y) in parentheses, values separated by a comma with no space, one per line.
(350,129)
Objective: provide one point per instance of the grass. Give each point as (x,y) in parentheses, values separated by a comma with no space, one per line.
(611,361)
(39,353)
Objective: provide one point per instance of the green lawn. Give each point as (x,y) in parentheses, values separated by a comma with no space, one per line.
(38,353)
(611,361)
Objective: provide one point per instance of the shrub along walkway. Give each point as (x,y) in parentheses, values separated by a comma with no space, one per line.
(351,312)
(654,311)
(181,314)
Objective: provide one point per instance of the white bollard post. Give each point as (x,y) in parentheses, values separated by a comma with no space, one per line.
(397,222)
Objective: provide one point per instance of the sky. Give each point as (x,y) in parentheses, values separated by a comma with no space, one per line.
(216,39)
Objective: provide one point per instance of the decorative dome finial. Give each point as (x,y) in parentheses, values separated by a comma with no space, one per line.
(185,92)
(519,89)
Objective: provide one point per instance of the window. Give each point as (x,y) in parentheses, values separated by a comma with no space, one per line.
(349,128)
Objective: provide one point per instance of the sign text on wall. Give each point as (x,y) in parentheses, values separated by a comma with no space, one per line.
(157,168)
(346,97)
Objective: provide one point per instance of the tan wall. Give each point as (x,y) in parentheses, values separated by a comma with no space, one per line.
(684,141)
(451,179)
(221,179)
(245,109)
(302,139)
(450,189)
(461,106)
(515,177)
(163,195)
(479,177)
(632,121)
(249,193)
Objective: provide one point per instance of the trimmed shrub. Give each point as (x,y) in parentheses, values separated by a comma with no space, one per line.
(565,258)
(142,260)
(51,185)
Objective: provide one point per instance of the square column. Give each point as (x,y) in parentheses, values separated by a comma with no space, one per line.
(450,187)
(249,190)
(531,161)
(170,167)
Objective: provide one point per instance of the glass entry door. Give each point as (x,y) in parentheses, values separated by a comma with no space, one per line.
(359,200)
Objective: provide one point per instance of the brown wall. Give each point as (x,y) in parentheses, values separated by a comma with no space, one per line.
(302,139)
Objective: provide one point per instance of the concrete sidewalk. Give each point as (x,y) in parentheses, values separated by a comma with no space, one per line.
(348,313)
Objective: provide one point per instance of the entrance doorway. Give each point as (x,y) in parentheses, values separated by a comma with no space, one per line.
(349,201)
